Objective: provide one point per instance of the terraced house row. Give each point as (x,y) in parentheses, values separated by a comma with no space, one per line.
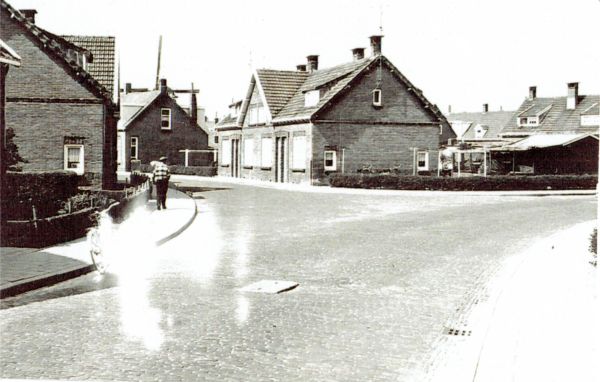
(302,125)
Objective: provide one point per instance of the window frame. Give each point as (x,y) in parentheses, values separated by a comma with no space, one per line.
(66,147)
(312,98)
(137,148)
(377,93)
(426,166)
(249,152)
(299,163)
(332,167)
(226,149)
(266,156)
(162,119)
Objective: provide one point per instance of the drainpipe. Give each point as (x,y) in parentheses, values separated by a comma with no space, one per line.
(414,161)
(343,156)
(484,163)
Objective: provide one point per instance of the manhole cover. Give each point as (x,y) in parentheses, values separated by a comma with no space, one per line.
(457,332)
(270,286)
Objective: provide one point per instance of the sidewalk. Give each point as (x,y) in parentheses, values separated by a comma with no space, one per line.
(540,322)
(26,269)
(188,179)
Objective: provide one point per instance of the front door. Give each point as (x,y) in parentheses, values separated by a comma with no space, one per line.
(281,167)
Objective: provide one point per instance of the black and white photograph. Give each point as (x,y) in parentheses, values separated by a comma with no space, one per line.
(334,190)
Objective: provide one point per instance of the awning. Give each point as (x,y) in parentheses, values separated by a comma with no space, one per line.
(542,141)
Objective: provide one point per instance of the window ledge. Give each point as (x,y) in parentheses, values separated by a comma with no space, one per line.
(298,170)
(265,168)
(224,165)
(248,167)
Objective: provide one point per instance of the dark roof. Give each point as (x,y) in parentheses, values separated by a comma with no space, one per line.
(557,119)
(336,77)
(227,121)
(493,121)
(284,91)
(133,104)
(102,66)
(592,110)
(279,86)
(57,47)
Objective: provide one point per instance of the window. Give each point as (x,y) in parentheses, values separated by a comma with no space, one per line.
(528,121)
(216,139)
(226,150)
(422,161)
(311,98)
(74,158)
(299,152)
(248,152)
(134,147)
(256,115)
(266,159)
(377,97)
(165,119)
(330,162)
(590,120)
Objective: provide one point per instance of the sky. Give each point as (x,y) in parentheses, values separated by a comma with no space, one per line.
(462,53)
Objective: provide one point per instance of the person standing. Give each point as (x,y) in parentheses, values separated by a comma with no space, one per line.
(160,177)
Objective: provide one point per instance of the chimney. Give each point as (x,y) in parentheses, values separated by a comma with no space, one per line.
(572,95)
(358,54)
(312,63)
(127,87)
(485,107)
(194,108)
(376,45)
(163,86)
(301,68)
(532,92)
(29,14)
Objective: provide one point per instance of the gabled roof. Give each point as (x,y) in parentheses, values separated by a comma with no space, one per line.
(557,120)
(8,55)
(102,48)
(284,91)
(336,78)
(494,121)
(58,48)
(134,104)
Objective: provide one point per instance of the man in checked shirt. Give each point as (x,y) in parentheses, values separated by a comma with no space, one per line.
(160,177)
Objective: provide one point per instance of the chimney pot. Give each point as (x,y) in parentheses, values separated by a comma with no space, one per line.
(572,95)
(358,54)
(163,85)
(29,14)
(376,45)
(532,92)
(312,63)
(301,68)
(485,107)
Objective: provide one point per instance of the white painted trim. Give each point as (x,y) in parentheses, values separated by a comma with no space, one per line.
(262,95)
(79,170)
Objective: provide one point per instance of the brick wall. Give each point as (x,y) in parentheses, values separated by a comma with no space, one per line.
(41,143)
(39,75)
(154,142)
(381,146)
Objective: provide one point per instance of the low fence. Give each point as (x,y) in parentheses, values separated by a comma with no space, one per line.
(180,170)
(43,232)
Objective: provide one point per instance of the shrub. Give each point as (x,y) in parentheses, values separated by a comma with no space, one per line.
(44,190)
(137,178)
(490,183)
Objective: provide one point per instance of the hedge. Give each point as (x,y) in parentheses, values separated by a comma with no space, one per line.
(182,170)
(45,190)
(475,183)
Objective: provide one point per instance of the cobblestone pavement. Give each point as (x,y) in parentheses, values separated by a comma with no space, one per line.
(380,276)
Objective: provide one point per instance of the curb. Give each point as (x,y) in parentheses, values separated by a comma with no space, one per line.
(48,280)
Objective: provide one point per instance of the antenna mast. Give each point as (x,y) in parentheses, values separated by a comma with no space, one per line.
(158,65)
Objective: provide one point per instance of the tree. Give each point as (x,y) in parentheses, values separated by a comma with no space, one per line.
(11,152)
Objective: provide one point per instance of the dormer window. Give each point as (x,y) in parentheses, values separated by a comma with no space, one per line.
(311,98)
(377,102)
(480,131)
(528,121)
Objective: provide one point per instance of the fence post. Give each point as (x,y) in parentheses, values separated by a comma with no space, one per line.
(33,212)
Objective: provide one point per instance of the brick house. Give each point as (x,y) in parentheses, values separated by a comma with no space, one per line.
(300,126)
(153,124)
(63,117)
(8,58)
(481,128)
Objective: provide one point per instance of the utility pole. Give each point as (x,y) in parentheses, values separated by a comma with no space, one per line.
(158,65)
